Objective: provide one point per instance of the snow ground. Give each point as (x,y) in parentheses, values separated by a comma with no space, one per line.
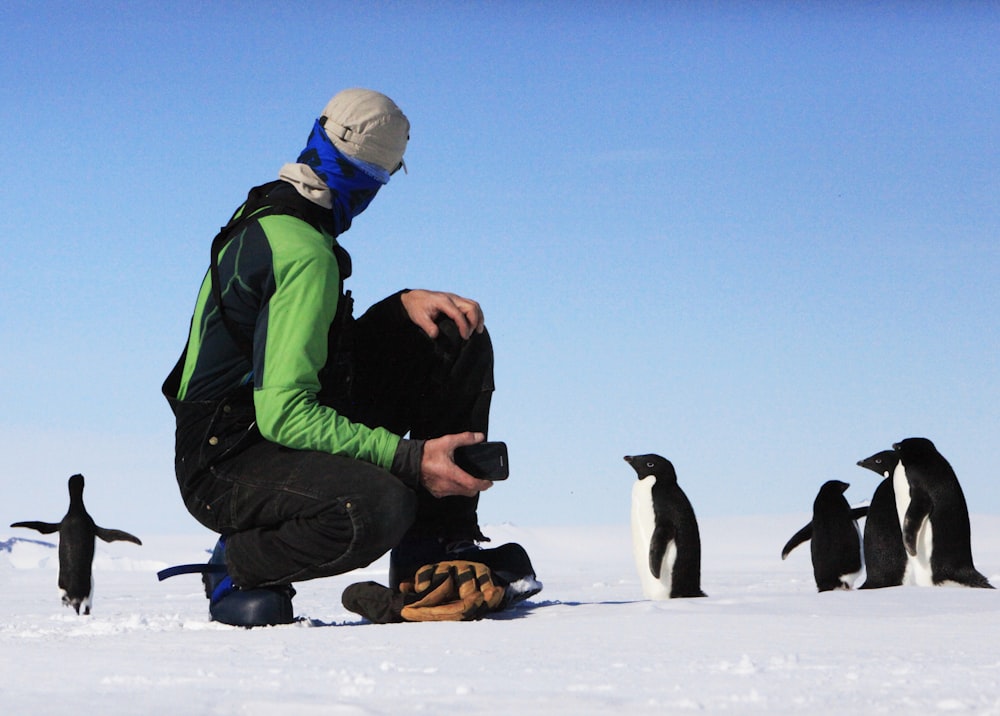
(764,641)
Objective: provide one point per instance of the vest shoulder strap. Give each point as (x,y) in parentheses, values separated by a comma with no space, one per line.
(270,199)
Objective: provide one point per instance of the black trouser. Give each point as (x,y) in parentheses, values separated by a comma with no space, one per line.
(291,515)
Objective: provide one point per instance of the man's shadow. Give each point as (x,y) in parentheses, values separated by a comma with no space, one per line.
(519,611)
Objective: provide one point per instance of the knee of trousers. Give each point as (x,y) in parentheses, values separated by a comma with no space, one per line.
(469,362)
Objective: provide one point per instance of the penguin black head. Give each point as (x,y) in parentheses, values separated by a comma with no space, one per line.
(882,463)
(76,487)
(920,457)
(659,467)
(835,487)
(915,448)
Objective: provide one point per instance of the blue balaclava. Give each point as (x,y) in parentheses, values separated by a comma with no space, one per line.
(353,183)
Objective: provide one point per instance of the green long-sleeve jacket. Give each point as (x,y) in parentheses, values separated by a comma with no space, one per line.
(281,284)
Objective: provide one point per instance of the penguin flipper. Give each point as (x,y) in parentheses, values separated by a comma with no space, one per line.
(918,511)
(803,535)
(116,535)
(858,512)
(658,546)
(43,527)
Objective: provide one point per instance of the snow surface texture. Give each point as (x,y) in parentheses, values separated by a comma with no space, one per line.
(764,641)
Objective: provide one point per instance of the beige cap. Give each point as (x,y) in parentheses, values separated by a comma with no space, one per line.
(367,125)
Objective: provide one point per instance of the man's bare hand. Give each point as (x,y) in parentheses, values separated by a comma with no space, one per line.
(441,476)
(424,307)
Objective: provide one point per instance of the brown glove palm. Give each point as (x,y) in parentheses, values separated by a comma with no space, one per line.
(450,591)
(444,591)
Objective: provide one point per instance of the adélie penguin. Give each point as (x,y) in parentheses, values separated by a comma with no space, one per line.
(665,538)
(885,557)
(77,531)
(835,538)
(934,517)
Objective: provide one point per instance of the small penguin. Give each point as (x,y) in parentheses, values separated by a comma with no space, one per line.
(836,540)
(934,517)
(665,538)
(885,558)
(76,547)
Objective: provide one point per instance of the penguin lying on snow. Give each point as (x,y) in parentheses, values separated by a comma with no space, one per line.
(76,547)
(934,517)
(665,538)
(836,541)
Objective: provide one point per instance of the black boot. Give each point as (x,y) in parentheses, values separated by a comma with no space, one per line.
(228,604)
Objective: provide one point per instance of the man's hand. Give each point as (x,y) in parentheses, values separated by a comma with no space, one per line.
(423,307)
(439,473)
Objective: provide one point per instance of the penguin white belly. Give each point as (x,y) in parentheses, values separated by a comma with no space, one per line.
(643,525)
(660,589)
(922,574)
(901,488)
(850,578)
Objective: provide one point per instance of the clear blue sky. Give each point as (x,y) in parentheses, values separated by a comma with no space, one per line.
(758,239)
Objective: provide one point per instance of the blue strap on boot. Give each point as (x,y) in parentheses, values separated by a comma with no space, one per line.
(228,604)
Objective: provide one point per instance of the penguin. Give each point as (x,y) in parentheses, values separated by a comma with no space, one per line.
(665,538)
(836,540)
(76,547)
(933,517)
(885,557)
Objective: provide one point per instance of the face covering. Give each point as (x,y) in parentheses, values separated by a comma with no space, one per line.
(353,183)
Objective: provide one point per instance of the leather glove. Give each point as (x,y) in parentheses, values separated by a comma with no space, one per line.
(456,590)
(451,591)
